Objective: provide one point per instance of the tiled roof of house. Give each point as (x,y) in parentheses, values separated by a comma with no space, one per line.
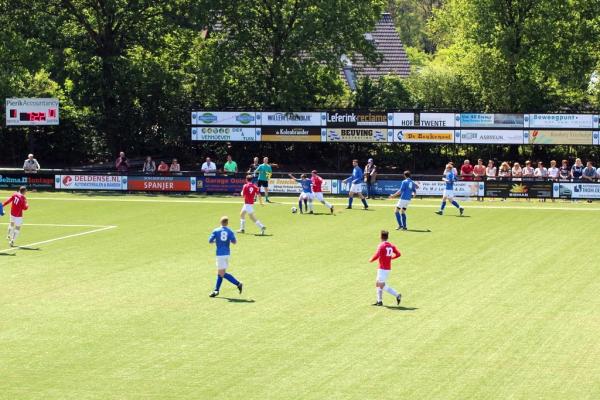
(388,43)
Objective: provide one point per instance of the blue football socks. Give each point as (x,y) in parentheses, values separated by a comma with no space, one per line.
(231,279)
(219,282)
(455,204)
(399,219)
(403,220)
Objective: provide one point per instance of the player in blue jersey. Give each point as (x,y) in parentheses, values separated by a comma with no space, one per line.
(356,182)
(306,195)
(449,178)
(408,189)
(222,237)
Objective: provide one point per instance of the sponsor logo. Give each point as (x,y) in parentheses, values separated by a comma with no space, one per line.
(244,118)
(291,117)
(345,118)
(207,118)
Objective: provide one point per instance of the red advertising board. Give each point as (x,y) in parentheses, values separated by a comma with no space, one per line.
(159,183)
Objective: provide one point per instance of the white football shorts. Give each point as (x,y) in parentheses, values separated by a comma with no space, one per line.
(319,196)
(403,203)
(222,262)
(448,193)
(18,221)
(356,188)
(382,275)
(305,196)
(249,208)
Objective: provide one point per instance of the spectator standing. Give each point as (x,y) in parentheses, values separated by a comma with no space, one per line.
(264,172)
(466,171)
(504,171)
(252,170)
(577,170)
(490,171)
(175,167)
(370,177)
(589,173)
(208,167)
(31,165)
(230,166)
(163,168)
(553,171)
(564,172)
(149,167)
(122,164)
(528,171)
(517,172)
(479,170)
(541,172)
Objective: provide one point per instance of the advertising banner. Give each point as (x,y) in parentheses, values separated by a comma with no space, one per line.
(436,120)
(357,135)
(221,184)
(31,181)
(350,119)
(291,118)
(558,137)
(425,188)
(491,120)
(284,185)
(574,190)
(596,138)
(32,112)
(228,118)
(401,119)
(423,136)
(583,121)
(225,134)
(533,189)
(160,183)
(491,136)
(90,182)
(292,134)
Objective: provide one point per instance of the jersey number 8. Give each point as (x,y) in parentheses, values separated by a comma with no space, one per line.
(223,236)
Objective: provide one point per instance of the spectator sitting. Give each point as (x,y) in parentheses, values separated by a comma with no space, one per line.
(528,171)
(466,171)
(540,172)
(479,170)
(564,172)
(149,166)
(553,171)
(31,166)
(504,171)
(163,168)
(208,167)
(122,165)
(589,172)
(175,167)
(230,166)
(490,171)
(517,172)
(577,170)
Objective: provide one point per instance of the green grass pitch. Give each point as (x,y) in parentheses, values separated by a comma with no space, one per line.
(501,304)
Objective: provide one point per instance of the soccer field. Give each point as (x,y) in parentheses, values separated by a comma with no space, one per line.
(108,299)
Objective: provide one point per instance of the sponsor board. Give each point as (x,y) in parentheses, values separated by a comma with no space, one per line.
(558,137)
(425,188)
(160,183)
(31,181)
(32,111)
(221,184)
(291,118)
(284,185)
(596,138)
(577,190)
(356,135)
(526,189)
(90,182)
(349,119)
(240,118)
(423,136)
(490,120)
(489,136)
(436,120)
(225,134)
(292,134)
(401,119)
(582,121)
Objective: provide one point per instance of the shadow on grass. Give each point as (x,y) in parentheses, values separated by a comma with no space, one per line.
(401,308)
(8,254)
(29,248)
(236,300)
(263,235)
(418,230)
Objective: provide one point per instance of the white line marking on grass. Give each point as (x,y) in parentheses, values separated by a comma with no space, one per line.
(64,225)
(105,228)
(390,204)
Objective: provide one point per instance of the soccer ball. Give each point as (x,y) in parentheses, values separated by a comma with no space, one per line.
(294,210)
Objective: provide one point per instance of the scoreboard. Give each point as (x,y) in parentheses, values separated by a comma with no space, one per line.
(32,111)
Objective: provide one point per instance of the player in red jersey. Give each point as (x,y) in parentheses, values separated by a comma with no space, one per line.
(248,192)
(386,252)
(317,183)
(18,204)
